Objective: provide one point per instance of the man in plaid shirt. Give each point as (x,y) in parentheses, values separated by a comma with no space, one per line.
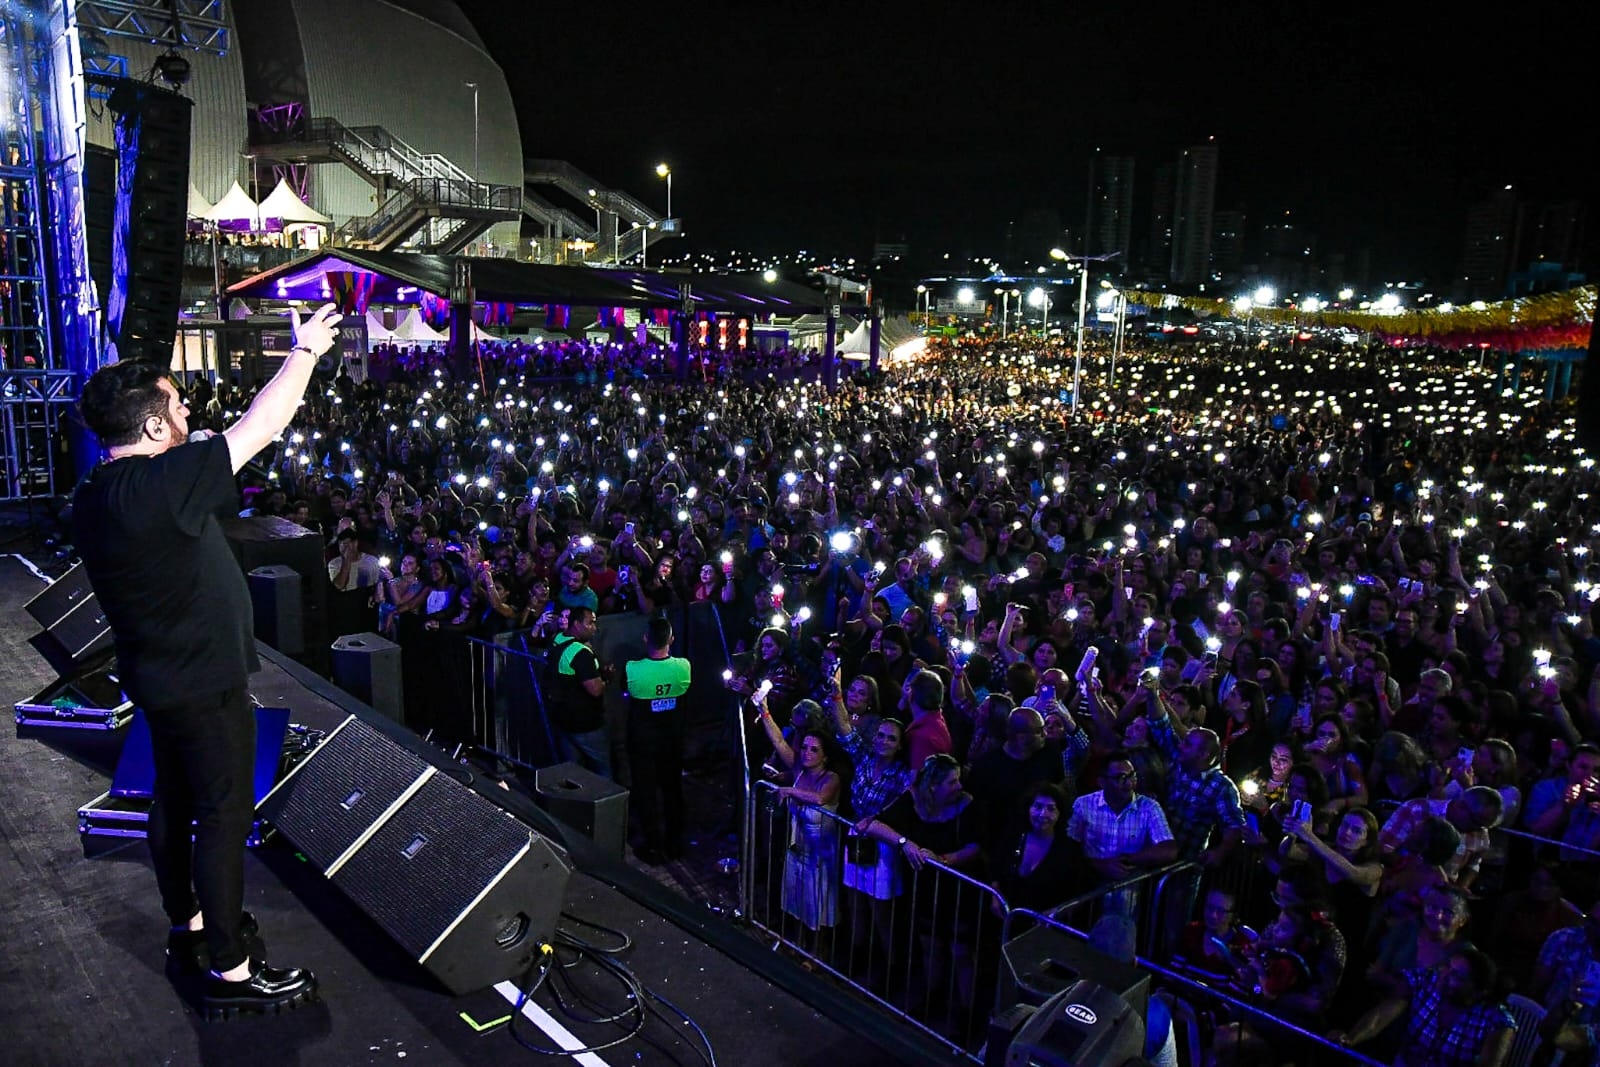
(1474,813)
(1120,830)
(1453,1017)
(1202,803)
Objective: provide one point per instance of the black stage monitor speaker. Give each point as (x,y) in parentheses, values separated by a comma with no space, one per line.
(81,634)
(60,597)
(75,629)
(1085,1025)
(594,806)
(355,779)
(276,598)
(1044,961)
(466,889)
(462,886)
(368,668)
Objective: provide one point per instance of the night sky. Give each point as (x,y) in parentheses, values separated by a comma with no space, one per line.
(827,127)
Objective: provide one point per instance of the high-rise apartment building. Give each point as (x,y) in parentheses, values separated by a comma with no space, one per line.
(1108,219)
(1551,232)
(1487,247)
(1227,243)
(1193,206)
(1156,257)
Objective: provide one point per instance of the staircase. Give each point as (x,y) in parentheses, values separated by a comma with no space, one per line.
(615,237)
(431,204)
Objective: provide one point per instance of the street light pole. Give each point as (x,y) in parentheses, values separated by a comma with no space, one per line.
(1083,314)
(1122,326)
(664,171)
(474,87)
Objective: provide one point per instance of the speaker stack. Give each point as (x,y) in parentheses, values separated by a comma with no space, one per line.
(71,616)
(463,887)
(76,641)
(267,548)
(149,226)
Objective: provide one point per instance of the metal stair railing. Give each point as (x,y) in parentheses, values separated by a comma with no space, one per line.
(368,229)
(575,183)
(542,211)
(422,198)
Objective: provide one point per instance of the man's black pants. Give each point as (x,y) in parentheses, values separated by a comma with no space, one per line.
(205,762)
(655,756)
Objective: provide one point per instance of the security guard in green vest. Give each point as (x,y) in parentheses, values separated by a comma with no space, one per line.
(574,694)
(654,687)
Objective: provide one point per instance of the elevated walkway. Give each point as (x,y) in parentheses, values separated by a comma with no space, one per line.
(430,205)
(623,227)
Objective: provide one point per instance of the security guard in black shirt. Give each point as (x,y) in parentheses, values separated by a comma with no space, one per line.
(654,688)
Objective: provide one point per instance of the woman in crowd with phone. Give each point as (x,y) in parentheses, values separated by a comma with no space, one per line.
(1267,785)
(1353,867)
(810,877)
(1329,752)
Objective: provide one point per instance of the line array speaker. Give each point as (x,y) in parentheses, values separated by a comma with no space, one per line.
(147,237)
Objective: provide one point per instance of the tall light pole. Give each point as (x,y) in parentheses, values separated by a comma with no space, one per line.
(1041,299)
(664,171)
(474,87)
(922,296)
(1118,303)
(1005,305)
(1083,314)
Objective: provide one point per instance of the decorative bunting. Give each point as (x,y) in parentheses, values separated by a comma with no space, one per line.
(1541,321)
(498,313)
(352,290)
(435,309)
(556,316)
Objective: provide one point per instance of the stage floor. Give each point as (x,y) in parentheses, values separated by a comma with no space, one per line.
(82,979)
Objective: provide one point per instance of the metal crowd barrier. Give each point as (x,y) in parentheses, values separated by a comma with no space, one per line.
(922,945)
(1140,899)
(505,698)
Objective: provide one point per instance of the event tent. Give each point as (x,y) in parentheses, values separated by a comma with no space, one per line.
(236,210)
(285,206)
(897,336)
(376,330)
(414,330)
(198,207)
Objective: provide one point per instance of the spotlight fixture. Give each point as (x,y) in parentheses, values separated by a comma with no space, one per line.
(172,69)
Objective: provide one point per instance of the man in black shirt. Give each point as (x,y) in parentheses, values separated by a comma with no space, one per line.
(1000,778)
(654,686)
(145,522)
(576,687)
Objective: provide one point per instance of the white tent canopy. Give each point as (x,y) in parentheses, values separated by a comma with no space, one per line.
(376,330)
(236,206)
(286,206)
(415,330)
(895,336)
(199,207)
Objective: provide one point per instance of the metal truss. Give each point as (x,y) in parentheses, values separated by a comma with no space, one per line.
(32,404)
(198,25)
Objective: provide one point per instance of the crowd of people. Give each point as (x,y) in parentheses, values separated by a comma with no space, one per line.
(1318,621)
